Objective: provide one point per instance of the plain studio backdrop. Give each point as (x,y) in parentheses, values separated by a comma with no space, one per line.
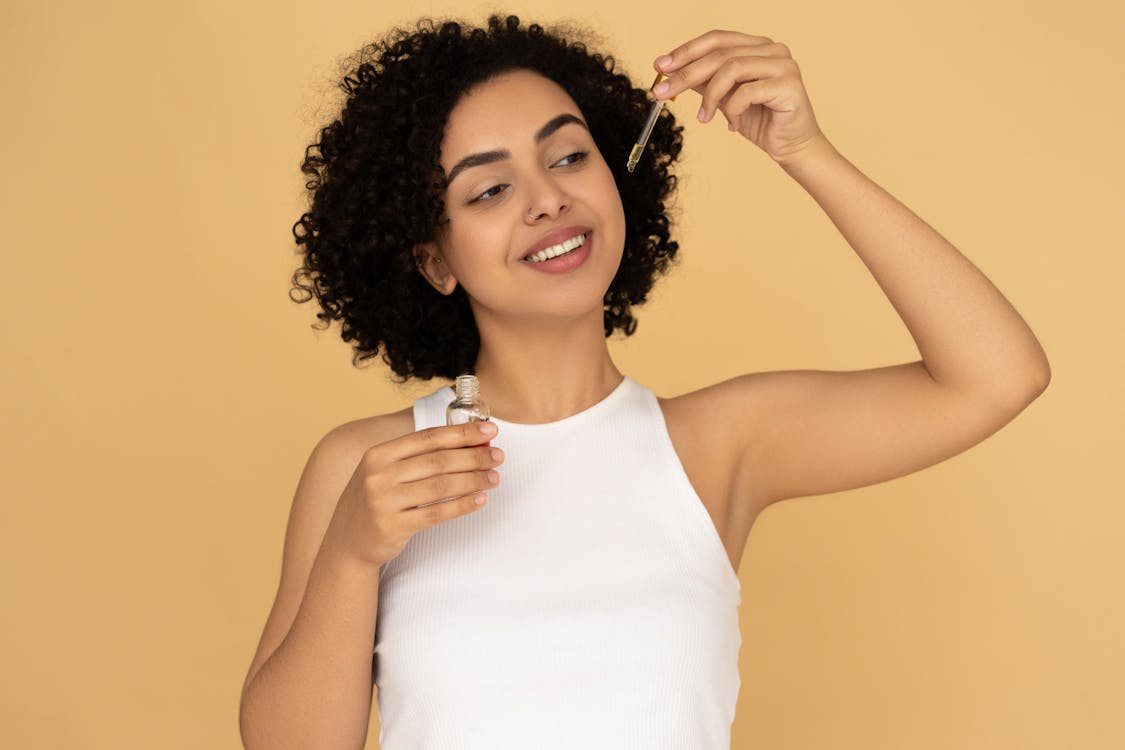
(161,392)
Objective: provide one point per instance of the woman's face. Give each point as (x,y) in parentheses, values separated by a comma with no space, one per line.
(498,208)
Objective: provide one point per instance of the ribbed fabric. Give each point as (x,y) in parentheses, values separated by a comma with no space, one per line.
(590,604)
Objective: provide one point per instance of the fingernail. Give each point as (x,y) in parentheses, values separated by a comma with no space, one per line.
(661,87)
(664,61)
(702,111)
(497,454)
(487,428)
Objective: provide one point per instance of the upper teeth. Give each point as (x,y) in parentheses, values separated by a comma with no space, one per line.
(559,249)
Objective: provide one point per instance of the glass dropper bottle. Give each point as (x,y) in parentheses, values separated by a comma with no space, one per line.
(467,405)
(646,131)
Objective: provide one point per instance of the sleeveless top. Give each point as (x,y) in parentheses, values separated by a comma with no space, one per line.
(589,604)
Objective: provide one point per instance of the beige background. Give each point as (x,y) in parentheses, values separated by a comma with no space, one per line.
(161,392)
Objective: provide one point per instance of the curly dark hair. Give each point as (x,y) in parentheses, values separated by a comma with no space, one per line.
(376,184)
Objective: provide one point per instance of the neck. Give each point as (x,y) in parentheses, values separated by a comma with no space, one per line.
(531,373)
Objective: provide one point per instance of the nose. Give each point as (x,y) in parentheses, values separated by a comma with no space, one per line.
(547,198)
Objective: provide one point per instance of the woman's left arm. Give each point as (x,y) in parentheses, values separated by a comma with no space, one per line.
(970,337)
(812,432)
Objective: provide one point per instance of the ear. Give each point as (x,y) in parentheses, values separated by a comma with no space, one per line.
(433,267)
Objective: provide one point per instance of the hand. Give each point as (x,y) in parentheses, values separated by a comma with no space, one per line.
(754,82)
(398,488)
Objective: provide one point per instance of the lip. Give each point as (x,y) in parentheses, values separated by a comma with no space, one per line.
(565,263)
(554,237)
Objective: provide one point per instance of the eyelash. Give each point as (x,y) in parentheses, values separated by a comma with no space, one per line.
(481,199)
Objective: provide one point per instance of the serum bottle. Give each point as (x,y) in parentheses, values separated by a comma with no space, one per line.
(467,405)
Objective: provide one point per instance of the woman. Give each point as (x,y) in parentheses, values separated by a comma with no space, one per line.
(592,601)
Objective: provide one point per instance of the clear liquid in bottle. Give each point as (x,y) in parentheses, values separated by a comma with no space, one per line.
(467,405)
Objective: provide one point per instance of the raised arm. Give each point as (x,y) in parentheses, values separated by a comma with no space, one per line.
(815,432)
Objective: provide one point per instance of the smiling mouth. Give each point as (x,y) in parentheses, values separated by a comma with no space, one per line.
(563,248)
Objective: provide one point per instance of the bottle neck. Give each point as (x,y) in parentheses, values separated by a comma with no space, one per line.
(467,387)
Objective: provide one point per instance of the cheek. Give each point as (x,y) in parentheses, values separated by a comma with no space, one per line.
(474,237)
(609,199)
(478,246)
(607,187)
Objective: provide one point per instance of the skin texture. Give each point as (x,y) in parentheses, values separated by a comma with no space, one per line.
(745,442)
(534,328)
(377,184)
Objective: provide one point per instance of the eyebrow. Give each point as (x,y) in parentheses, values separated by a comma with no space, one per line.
(487,157)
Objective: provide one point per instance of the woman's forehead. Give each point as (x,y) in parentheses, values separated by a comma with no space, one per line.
(515,100)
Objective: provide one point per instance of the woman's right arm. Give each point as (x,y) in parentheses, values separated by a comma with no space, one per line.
(310,682)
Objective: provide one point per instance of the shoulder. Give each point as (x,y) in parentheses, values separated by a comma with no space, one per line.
(728,425)
(717,431)
(334,459)
(716,427)
(351,439)
(727,414)
(815,432)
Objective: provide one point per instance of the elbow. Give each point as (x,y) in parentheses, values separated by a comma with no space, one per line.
(1042,373)
(1017,393)
(1036,384)
(1043,381)
(1033,377)
(1042,377)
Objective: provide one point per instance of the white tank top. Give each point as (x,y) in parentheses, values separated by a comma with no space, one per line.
(589,604)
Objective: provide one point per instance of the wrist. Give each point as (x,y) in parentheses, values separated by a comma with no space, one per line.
(814,151)
(342,561)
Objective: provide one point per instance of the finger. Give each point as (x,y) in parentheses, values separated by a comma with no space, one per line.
(709,42)
(432,515)
(443,487)
(737,71)
(731,114)
(433,439)
(698,74)
(449,461)
(745,96)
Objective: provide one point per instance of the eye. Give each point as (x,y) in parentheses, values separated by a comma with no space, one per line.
(487,193)
(580,154)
